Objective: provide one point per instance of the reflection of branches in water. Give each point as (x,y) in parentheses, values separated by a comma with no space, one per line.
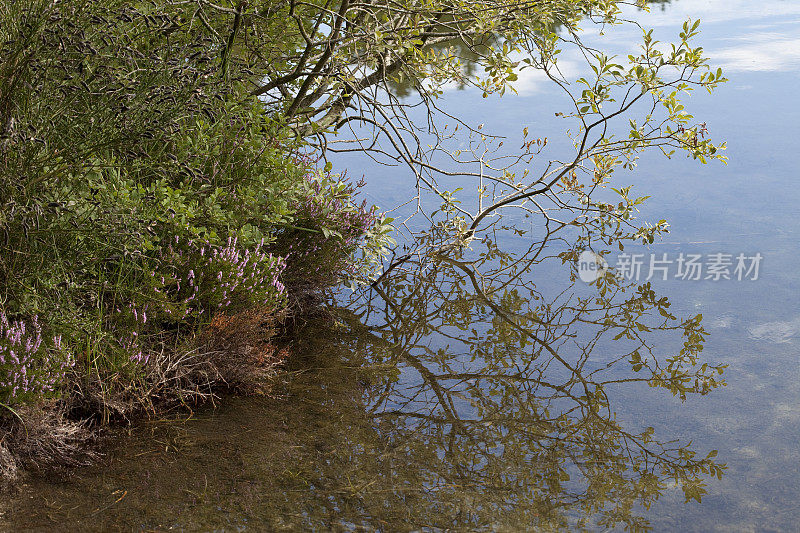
(513,387)
(461,397)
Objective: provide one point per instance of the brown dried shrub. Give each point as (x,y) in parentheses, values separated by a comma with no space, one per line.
(241,347)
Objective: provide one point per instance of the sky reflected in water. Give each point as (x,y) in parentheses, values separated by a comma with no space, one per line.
(297,468)
(751,205)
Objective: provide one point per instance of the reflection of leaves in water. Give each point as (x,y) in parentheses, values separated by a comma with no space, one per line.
(454,409)
(469,54)
(459,395)
(508,389)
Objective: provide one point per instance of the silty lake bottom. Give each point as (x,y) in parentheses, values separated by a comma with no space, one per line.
(396,418)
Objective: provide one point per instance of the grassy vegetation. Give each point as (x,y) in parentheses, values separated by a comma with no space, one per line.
(149,206)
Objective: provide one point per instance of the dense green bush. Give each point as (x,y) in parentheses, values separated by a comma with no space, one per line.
(327,230)
(142,190)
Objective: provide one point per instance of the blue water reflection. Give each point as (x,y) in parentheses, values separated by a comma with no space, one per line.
(750,206)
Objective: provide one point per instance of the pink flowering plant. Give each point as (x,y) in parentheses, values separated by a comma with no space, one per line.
(328,228)
(193,279)
(200,277)
(32,366)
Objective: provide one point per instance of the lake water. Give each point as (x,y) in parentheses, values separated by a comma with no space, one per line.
(431,412)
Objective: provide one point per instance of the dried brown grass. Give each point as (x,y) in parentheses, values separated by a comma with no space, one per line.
(235,352)
(42,438)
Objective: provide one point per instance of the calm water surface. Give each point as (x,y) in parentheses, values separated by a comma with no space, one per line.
(431,411)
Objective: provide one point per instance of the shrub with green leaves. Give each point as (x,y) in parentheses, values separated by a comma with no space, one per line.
(143,188)
(327,230)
